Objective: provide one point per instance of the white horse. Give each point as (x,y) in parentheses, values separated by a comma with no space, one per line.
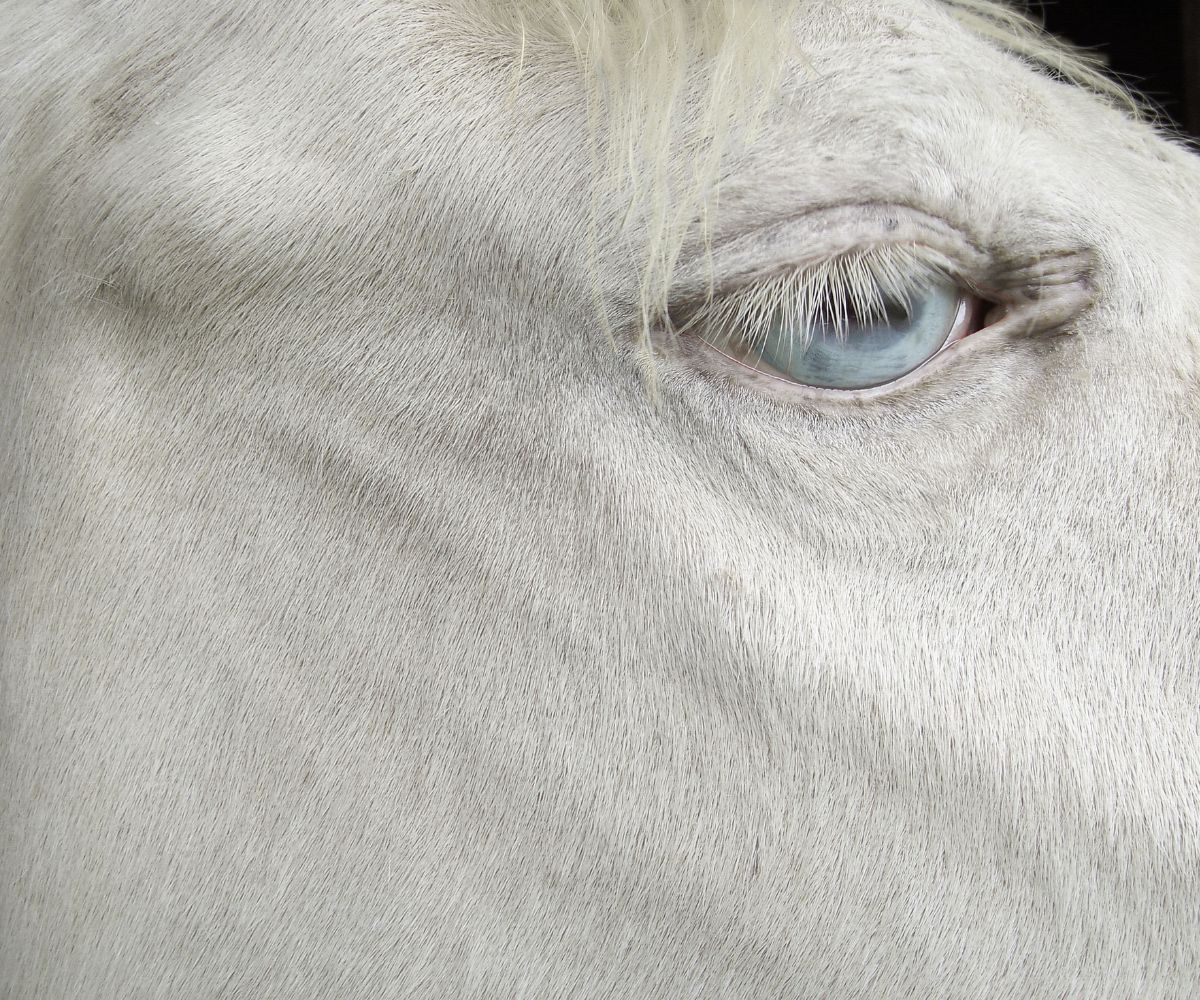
(449,555)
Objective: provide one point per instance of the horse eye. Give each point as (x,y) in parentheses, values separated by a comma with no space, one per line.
(850,353)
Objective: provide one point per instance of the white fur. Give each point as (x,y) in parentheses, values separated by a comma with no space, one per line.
(368,632)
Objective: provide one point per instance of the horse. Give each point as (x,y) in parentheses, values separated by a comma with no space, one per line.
(651,499)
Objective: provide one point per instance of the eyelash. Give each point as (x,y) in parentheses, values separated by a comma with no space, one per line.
(858,283)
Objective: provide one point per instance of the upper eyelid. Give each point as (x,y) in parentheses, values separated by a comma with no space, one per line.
(1041,290)
(816,235)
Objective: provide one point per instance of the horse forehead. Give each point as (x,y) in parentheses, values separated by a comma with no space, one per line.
(352,138)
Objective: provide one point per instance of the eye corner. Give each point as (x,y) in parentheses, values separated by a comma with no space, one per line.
(1042,294)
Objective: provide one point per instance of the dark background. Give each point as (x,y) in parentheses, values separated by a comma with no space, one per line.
(1151,45)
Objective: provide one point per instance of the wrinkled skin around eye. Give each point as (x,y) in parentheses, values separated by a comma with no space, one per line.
(863,354)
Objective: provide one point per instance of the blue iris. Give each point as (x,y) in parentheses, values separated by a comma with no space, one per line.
(863,354)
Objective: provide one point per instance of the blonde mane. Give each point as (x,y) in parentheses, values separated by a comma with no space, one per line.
(640,59)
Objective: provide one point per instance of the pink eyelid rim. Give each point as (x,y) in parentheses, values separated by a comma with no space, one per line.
(969,314)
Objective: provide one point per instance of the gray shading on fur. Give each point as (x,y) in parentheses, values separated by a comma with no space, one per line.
(369,630)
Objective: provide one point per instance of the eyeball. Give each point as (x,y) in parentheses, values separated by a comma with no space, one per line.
(847,352)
